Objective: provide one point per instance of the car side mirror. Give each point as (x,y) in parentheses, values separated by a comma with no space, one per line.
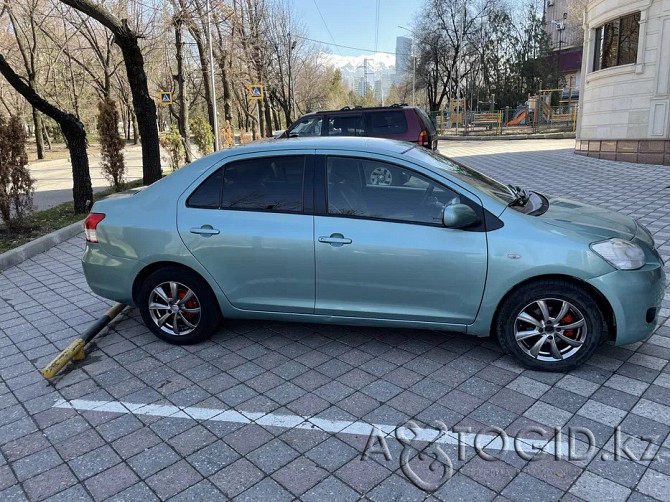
(458,216)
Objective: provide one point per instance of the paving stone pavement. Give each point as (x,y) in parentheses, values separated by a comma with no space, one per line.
(276,411)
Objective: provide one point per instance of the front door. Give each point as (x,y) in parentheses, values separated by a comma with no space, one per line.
(247,224)
(382,252)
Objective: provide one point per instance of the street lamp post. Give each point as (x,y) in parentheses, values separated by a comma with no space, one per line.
(291,46)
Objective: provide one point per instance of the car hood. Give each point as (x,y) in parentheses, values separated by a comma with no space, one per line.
(589,220)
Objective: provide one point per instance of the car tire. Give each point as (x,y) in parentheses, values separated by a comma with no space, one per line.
(187,299)
(532,320)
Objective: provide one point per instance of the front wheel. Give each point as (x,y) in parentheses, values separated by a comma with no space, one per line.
(550,325)
(178,306)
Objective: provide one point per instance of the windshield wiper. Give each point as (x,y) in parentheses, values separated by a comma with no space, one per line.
(521,196)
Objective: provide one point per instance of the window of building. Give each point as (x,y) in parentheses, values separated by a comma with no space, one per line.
(264,184)
(616,42)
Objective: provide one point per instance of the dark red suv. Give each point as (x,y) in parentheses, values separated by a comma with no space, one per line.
(406,123)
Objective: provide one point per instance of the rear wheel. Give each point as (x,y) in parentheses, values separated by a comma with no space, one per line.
(178,306)
(550,325)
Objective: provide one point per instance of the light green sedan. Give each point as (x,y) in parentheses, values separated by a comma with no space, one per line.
(306,230)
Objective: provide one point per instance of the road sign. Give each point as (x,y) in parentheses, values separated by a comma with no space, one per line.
(165,98)
(256,91)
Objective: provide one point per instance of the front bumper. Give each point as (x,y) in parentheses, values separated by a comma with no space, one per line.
(109,276)
(635,297)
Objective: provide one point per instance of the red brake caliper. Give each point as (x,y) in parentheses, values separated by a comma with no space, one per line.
(568,319)
(191,304)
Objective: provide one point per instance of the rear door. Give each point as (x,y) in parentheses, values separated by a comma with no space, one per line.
(250,224)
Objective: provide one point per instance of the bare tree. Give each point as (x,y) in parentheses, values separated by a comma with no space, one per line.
(144,106)
(73,130)
(25,31)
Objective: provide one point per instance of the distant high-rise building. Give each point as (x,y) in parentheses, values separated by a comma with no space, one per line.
(403,57)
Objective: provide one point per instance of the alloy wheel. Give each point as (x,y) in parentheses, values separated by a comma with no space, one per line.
(550,329)
(174,308)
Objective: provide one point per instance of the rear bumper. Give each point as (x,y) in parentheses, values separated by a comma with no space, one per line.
(635,297)
(109,276)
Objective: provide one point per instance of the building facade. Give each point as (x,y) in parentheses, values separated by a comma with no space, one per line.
(625,86)
(403,57)
(563,21)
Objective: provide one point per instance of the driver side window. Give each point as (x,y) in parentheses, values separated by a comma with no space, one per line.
(379,190)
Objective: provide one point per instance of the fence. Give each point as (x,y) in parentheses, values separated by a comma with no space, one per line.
(536,117)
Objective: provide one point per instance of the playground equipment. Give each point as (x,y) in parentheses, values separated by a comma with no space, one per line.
(519,118)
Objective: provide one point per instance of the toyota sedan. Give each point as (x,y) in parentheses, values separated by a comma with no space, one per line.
(298,230)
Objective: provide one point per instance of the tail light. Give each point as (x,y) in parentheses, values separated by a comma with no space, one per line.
(90,225)
(423,138)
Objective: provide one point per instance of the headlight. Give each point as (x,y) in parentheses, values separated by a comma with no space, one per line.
(620,253)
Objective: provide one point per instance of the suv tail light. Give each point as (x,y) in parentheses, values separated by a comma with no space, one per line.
(423,138)
(90,224)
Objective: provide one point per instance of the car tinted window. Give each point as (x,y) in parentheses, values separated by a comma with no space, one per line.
(388,122)
(208,194)
(354,189)
(264,184)
(307,126)
(345,125)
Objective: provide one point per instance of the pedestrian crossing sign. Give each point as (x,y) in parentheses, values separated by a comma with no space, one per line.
(165,98)
(256,91)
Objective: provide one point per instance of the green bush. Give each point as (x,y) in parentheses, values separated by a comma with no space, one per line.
(111,145)
(16,184)
(202,135)
(172,142)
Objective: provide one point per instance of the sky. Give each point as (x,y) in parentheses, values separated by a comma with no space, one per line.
(352,22)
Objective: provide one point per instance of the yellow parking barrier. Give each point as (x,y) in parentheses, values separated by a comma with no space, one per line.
(75,351)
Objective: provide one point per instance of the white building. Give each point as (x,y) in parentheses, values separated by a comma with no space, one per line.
(625,85)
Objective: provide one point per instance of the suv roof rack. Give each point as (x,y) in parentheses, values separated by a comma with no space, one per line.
(351,107)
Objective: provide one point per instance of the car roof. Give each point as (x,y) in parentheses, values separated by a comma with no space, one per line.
(353,143)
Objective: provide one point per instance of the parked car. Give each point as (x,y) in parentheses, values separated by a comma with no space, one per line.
(401,122)
(296,231)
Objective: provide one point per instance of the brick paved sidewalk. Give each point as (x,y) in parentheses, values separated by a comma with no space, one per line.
(278,411)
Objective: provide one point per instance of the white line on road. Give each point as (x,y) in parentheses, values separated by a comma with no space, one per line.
(430,435)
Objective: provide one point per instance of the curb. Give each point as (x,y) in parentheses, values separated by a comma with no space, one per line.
(39,245)
(557,135)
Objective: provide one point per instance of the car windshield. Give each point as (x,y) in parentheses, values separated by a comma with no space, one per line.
(309,126)
(474,178)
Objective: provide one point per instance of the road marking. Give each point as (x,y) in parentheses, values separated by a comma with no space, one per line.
(483,441)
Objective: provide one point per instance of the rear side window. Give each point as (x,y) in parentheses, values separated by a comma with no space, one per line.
(387,122)
(346,125)
(208,194)
(265,184)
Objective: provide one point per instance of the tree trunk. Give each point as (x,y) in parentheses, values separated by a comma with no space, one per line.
(39,138)
(143,104)
(268,116)
(275,117)
(183,102)
(136,129)
(73,131)
(46,135)
(206,79)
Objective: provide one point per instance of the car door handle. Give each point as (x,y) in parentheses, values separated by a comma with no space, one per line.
(335,239)
(205,230)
